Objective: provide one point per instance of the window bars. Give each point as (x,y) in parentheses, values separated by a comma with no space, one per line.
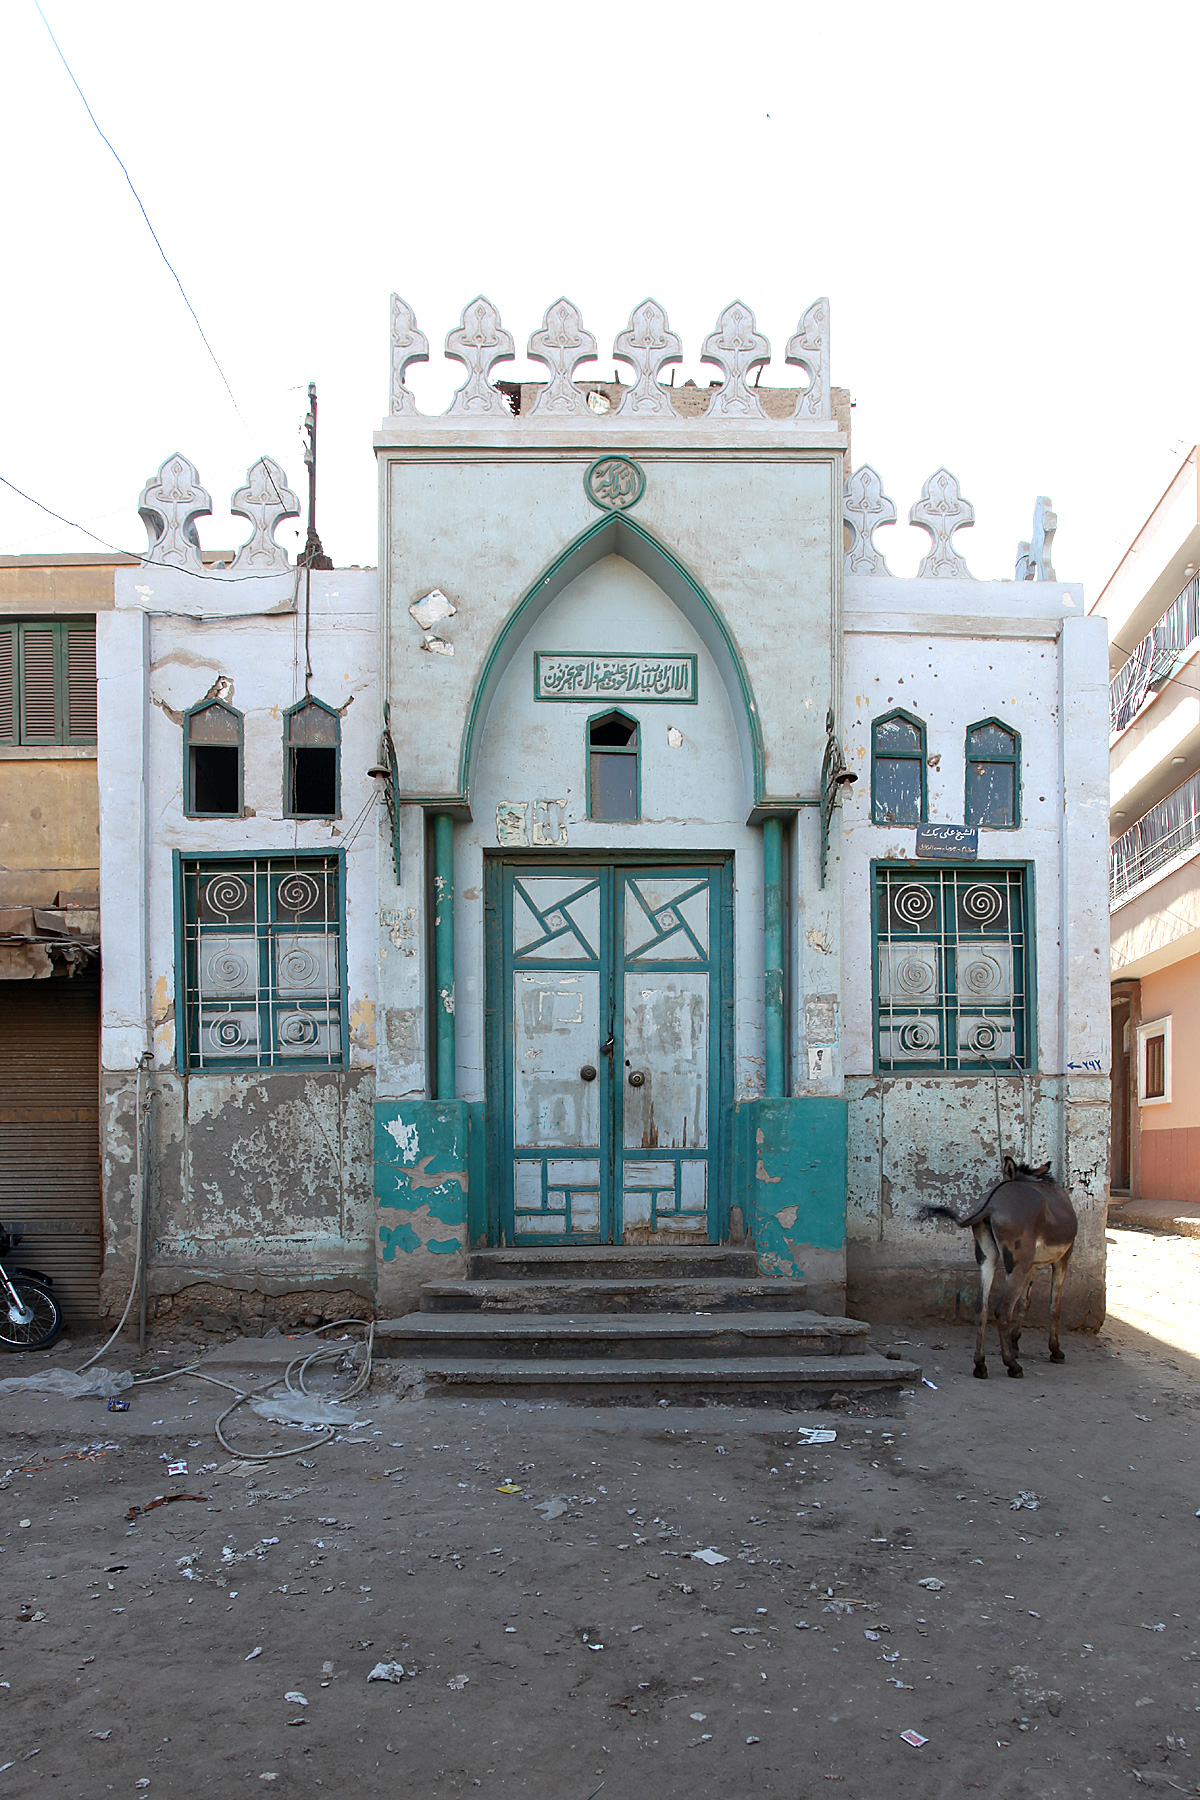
(263,962)
(952,970)
(1170,829)
(1153,661)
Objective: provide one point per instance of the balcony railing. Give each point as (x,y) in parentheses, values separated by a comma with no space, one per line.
(1153,662)
(1169,829)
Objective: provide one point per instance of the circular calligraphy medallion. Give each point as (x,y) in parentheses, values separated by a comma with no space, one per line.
(614,484)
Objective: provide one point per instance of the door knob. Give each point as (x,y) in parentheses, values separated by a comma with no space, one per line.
(637,1078)
(587,1073)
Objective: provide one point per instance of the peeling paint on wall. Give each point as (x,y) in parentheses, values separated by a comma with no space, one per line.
(362,1023)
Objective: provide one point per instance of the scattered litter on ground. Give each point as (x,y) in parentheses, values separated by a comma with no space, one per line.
(914,1738)
(710,1556)
(932,1583)
(284,1408)
(388,1671)
(161,1500)
(118,1406)
(550,1509)
(510,1487)
(458,1682)
(257,1651)
(295,1698)
(813,1434)
(1026,1499)
(177,1468)
(97,1384)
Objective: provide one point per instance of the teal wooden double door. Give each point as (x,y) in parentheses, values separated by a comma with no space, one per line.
(608,1051)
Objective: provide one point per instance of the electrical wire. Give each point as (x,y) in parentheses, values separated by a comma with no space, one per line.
(129,179)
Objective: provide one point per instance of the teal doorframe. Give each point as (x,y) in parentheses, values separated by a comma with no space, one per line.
(497,1013)
(773,1010)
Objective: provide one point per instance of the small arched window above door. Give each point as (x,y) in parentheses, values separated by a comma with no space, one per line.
(898,769)
(212,750)
(993,775)
(614,784)
(311,740)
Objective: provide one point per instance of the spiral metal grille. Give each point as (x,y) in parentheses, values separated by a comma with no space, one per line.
(951,969)
(262,958)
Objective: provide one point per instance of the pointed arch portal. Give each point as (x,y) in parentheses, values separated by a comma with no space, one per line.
(615,534)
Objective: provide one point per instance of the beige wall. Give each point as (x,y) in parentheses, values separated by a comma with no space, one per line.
(56,585)
(1176,990)
(49,826)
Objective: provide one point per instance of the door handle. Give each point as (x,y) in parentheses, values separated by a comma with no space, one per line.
(637,1078)
(587,1073)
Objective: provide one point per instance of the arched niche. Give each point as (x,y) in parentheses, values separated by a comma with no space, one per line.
(621,536)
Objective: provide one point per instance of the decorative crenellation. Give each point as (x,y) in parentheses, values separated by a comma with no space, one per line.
(940,511)
(170,504)
(647,345)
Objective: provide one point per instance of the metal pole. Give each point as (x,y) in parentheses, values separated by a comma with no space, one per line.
(773,956)
(443,953)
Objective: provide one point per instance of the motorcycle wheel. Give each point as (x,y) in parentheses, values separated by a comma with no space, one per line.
(41,1328)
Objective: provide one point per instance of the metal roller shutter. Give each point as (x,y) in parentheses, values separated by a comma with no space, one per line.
(49,1143)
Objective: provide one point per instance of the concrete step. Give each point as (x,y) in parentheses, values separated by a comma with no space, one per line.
(644,1337)
(611,1262)
(637,1295)
(802,1381)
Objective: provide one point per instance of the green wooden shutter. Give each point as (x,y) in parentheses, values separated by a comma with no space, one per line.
(8,684)
(39,689)
(80,660)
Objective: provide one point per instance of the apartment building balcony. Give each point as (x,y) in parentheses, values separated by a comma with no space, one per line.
(1154,885)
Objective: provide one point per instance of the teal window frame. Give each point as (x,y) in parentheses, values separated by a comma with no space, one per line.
(1018,938)
(634,750)
(1006,758)
(917,756)
(264,874)
(15,727)
(311,704)
(189,788)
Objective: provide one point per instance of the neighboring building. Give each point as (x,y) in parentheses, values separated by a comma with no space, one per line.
(1151,604)
(49,916)
(649,965)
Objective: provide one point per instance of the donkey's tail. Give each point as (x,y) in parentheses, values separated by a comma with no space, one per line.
(948,1212)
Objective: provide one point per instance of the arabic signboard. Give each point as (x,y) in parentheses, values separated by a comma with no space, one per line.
(960,842)
(584,676)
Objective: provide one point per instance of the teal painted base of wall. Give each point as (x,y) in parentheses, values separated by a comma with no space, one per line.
(790,1183)
(429,1194)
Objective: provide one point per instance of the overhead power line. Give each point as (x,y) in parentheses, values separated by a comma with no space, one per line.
(129,179)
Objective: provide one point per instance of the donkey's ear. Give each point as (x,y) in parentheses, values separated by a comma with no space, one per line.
(1010,1169)
(1043,1172)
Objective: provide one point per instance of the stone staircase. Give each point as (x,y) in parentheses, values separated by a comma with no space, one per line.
(610,1326)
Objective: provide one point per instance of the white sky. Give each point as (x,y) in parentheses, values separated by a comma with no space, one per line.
(999,201)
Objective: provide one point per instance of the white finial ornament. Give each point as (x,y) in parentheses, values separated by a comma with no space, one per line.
(266,500)
(168,507)
(941,511)
(648,344)
(1033,559)
(479,342)
(736,347)
(809,349)
(866,507)
(562,344)
(408,346)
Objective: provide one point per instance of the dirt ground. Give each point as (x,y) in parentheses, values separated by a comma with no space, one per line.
(884,1584)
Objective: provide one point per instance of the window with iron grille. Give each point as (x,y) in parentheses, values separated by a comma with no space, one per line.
(48,681)
(953,970)
(263,964)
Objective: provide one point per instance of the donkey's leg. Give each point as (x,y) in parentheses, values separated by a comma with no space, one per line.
(1022,1307)
(1058,1276)
(1020,1276)
(986,1255)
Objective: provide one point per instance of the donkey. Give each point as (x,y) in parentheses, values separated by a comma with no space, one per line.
(1027,1220)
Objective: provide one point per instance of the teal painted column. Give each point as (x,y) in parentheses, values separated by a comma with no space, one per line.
(443,954)
(773,956)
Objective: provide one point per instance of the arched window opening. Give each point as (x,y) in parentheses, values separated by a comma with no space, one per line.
(312,741)
(898,770)
(614,788)
(993,775)
(212,748)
